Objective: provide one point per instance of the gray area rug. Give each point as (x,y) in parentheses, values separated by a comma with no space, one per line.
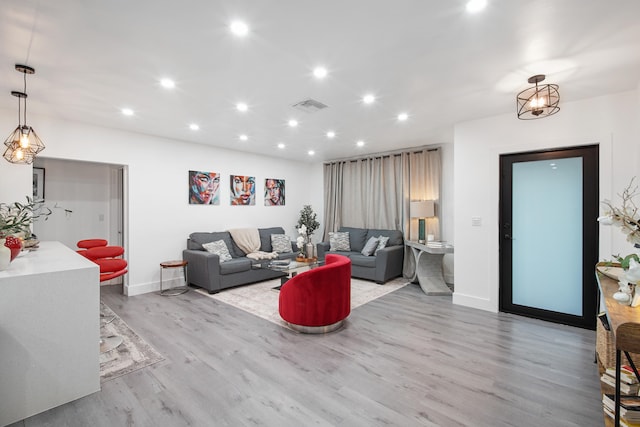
(261,299)
(134,353)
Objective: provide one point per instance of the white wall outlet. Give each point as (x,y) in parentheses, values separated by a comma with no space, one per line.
(476,221)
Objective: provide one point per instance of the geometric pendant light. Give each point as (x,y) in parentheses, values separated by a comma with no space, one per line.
(23,143)
(538,101)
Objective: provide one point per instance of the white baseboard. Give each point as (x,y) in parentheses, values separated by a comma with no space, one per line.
(474,302)
(141,288)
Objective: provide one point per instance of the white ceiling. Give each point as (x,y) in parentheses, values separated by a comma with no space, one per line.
(429,58)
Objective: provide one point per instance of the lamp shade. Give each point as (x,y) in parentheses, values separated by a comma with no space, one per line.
(422,209)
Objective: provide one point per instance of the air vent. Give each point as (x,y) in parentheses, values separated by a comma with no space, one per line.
(309,106)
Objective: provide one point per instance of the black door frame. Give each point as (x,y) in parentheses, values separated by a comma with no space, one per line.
(590,188)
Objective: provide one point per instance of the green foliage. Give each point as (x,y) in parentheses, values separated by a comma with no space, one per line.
(17,217)
(308,219)
(624,261)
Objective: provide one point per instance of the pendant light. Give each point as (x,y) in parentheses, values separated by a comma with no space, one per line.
(23,143)
(538,101)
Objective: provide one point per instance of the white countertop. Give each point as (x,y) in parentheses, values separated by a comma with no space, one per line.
(48,258)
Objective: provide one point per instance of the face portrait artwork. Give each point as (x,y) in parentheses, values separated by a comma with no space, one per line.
(243,190)
(204,188)
(273,192)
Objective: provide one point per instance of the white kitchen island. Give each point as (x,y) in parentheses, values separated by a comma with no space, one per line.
(49,331)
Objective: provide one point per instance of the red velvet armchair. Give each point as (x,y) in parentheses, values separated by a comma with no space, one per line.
(318,300)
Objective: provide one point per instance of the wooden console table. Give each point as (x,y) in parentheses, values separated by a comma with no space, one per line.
(428,267)
(624,322)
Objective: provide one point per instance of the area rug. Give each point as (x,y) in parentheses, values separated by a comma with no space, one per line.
(134,353)
(261,299)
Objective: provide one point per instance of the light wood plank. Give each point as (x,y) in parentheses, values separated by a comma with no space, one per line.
(406,359)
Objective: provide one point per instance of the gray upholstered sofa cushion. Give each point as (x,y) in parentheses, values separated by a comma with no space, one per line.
(357,237)
(384,265)
(205,270)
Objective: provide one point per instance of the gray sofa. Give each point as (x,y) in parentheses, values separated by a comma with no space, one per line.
(204,269)
(383,266)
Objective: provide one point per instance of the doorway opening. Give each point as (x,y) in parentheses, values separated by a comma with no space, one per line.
(87,200)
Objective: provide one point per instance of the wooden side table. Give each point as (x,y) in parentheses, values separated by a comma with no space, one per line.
(177,290)
(624,322)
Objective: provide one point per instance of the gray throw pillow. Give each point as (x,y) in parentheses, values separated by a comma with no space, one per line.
(382,243)
(370,246)
(339,241)
(281,243)
(219,247)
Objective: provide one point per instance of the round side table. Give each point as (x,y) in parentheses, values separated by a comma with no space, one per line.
(178,289)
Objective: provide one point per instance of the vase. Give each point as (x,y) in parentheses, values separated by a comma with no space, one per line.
(5,255)
(14,244)
(308,250)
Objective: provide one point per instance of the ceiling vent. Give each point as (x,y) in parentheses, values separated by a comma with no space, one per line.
(309,106)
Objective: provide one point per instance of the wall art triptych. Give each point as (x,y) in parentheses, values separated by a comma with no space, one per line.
(204,189)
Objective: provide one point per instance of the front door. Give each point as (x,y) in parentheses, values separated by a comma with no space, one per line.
(549,234)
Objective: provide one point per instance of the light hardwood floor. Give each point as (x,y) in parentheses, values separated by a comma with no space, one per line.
(406,359)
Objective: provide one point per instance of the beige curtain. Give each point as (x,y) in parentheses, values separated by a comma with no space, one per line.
(375,192)
(424,171)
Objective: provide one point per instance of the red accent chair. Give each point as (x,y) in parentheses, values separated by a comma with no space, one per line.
(318,300)
(110,267)
(91,243)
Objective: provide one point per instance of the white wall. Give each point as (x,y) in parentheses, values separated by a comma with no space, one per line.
(158,215)
(78,194)
(610,121)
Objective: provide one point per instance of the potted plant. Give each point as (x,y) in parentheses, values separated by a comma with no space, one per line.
(307,224)
(627,218)
(15,222)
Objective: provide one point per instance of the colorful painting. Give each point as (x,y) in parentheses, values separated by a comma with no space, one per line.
(273,192)
(243,190)
(204,188)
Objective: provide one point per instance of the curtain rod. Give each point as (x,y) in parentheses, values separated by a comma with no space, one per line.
(427,148)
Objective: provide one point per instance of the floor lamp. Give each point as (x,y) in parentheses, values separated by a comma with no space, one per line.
(421,210)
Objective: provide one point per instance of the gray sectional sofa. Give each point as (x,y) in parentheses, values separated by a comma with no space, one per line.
(383,266)
(205,270)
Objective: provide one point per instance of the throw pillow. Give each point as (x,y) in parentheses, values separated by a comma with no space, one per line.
(281,243)
(382,243)
(219,247)
(339,241)
(370,246)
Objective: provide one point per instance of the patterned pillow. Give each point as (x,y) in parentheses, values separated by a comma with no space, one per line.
(219,247)
(339,241)
(382,243)
(372,245)
(281,243)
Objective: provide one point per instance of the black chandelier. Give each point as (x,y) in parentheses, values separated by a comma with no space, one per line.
(23,143)
(538,101)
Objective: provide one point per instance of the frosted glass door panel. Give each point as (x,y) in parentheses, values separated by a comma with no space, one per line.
(547,235)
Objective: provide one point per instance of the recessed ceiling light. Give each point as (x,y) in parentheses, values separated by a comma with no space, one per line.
(293,123)
(239,28)
(243,137)
(194,126)
(360,143)
(167,83)
(281,145)
(368,99)
(331,134)
(127,111)
(403,117)
(241,106)
(474,6)
(320,72)
(311,152)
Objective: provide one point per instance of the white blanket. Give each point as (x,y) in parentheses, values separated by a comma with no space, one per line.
(248,239)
